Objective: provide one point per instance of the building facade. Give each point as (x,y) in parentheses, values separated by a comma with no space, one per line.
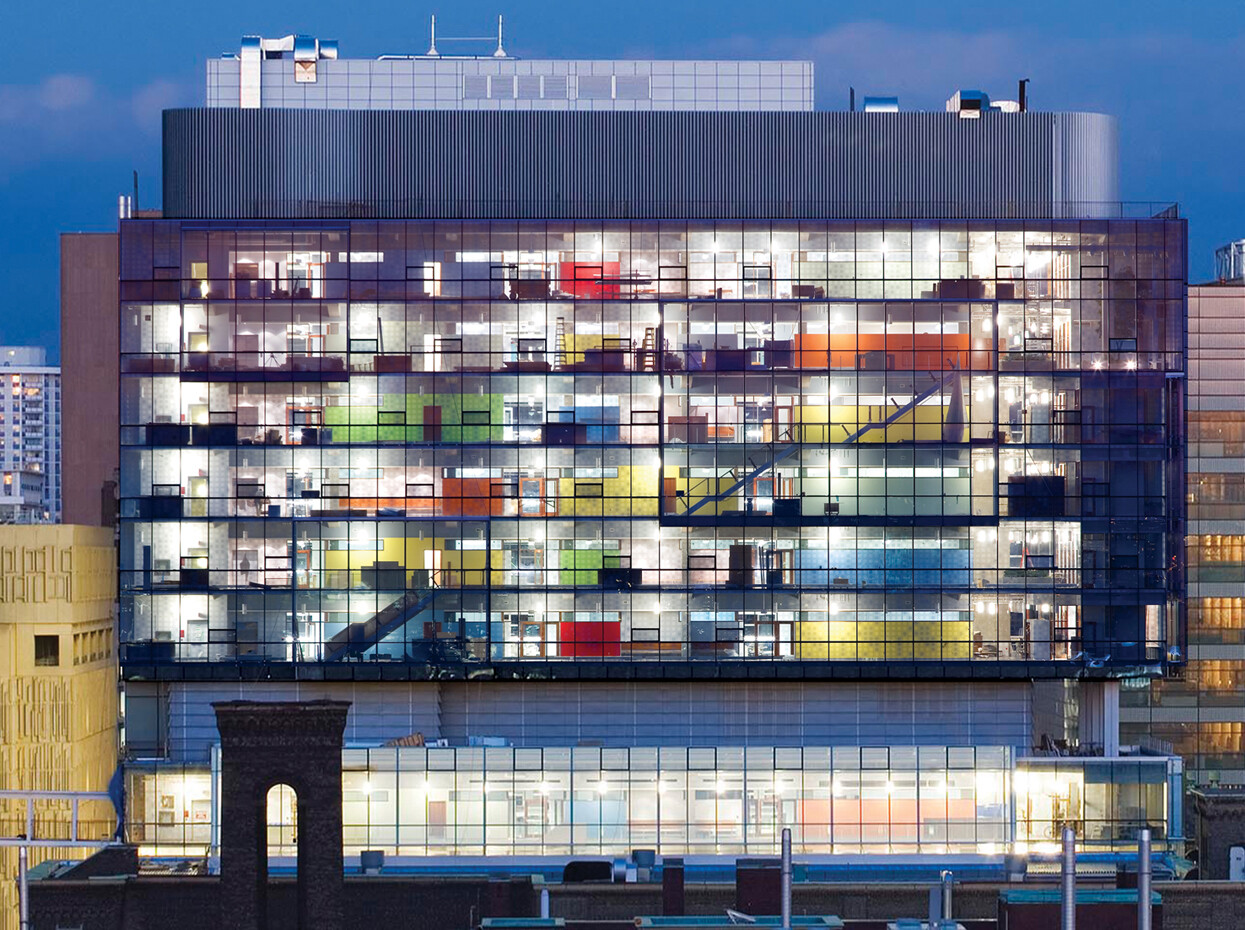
(769,493)
(89,363)
(300,72)
(58,692)
(1201,712)
(30,437)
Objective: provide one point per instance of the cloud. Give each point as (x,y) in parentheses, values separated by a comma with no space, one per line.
(69,116)
(65,92)
(58,93)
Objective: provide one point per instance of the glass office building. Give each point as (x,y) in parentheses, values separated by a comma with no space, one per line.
(649,478)
(494,443)
(454,448)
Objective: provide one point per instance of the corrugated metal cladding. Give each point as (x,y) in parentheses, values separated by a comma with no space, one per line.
(274,164)
(638,713)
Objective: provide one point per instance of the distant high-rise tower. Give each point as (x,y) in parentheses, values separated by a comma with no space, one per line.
(30,436)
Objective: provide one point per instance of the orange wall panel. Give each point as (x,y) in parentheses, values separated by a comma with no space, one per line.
(921,352)
(469,497)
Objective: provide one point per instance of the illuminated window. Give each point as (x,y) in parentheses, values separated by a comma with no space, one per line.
(282,820)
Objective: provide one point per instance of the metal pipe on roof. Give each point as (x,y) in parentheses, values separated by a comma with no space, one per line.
(23,888)
(786,878)
(948,881)
(1067,892)
(1144,912)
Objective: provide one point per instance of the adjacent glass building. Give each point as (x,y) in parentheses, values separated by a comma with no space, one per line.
(1200,710)
(727,475)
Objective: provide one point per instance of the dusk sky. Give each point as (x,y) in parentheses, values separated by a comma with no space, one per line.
(82,85)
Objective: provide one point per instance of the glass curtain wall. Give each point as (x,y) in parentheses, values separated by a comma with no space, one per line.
(698,801)
(443,443)
(1200,713)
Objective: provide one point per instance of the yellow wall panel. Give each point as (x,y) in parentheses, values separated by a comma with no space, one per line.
(697,489)
(821,639)
(821,424)
(633,493)
(872,637)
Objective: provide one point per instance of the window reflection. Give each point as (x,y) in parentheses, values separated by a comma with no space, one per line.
(680,801)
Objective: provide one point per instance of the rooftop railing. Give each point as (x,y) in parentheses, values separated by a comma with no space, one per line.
(573,208)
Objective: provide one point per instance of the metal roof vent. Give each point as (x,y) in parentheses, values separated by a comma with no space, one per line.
(881,104)
(970,104)
(304,50)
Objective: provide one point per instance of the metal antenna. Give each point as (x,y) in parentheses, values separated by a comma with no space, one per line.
(501,52)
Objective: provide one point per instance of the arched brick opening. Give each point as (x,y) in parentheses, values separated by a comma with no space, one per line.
(298,744)
(281,820)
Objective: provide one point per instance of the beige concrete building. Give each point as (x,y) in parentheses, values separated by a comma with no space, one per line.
(58,682)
